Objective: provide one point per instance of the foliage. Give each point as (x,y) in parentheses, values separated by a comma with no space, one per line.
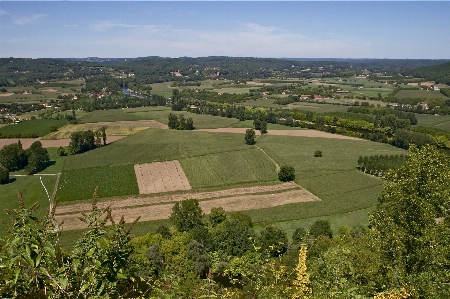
(186,215)
(32,261)
(37,158)
(321,228)
(286,173)
(217,216)
(13,157)
(232,237)
(250,136)
(81,141)
(301,282)
(4,174)
(263,127)
(61,151)
(273,240)
(411,223)
(299,235)
(318,153)
(378,164)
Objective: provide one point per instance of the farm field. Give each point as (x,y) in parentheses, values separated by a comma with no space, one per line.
(419,94)
(39,126)
(435,121)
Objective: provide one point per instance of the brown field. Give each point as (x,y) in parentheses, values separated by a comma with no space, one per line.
(26,142)
(304,133)
(50,90)
(161,177)
(160,206)
(6,94)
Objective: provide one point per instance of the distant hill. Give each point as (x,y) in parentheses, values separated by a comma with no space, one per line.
(439,73)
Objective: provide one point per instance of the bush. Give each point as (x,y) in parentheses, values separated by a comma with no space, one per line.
(321,228)
(186,214)
(317,154)
(286,173)
(273,240)
(4,174)
(299,235)
(250,136)
(60,151)
(217,216)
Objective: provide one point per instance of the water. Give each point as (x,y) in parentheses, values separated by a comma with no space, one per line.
(132,93)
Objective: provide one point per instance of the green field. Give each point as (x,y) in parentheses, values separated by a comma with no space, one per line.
(39,126)
(419,94)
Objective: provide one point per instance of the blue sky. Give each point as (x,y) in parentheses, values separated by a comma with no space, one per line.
(316,29)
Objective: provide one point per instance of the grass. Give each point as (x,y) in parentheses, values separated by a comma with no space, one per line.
(249,124)
(155,145)
(229,168)
(39,126)
(435,121)
(419,94)
(111,181)
(108,115)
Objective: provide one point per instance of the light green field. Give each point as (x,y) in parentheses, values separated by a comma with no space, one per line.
(435,121)
(39,126)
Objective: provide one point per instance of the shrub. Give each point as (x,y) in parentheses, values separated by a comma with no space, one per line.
(286,173)
(273,240)
(217,216)
(4,174)
(321,228)
(60,151)
(299,235)
(250,136)
(317,154)
(186,215)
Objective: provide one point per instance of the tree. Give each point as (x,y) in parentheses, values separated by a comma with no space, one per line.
(103,131)
(81,141)
(299,235)
(217,216)
(257,124)
(186,214)
(60,151)
(250,136)
(411,224)
(4,174)
(286,173)
(263,127)
(13,157)
(318,153)
(273,240)
(172,121)
(37,158)
(321,228)
(189,124)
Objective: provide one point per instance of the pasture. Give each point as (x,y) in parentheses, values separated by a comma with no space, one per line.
(41,127)
(419,94)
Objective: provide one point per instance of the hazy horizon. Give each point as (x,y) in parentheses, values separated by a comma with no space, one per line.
(307,30)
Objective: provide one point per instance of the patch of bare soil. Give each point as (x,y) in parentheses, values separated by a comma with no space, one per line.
(134,123)
(6,94)
(161,177)
(238,199)
(26,142)
(50,90)
(229,130)
(311,133)
(303,133)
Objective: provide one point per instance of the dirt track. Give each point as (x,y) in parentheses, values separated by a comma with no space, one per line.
(158,207)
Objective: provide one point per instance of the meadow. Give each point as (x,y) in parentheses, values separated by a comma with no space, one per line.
(419,94)
(41,127)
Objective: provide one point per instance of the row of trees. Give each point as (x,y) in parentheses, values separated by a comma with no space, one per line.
(379,164)
(180,123)
(83,141)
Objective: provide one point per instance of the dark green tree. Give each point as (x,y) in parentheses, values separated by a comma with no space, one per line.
(186,214)
(299,235)
(250,136)
(4,174)
(321,228)
(172,121)
(263,127)
(81,141)
(217,216)
(286,173)
(273,240)
(189,124)
(38,158)
(13,157)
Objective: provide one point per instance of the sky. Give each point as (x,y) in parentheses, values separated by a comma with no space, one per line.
(298,29)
